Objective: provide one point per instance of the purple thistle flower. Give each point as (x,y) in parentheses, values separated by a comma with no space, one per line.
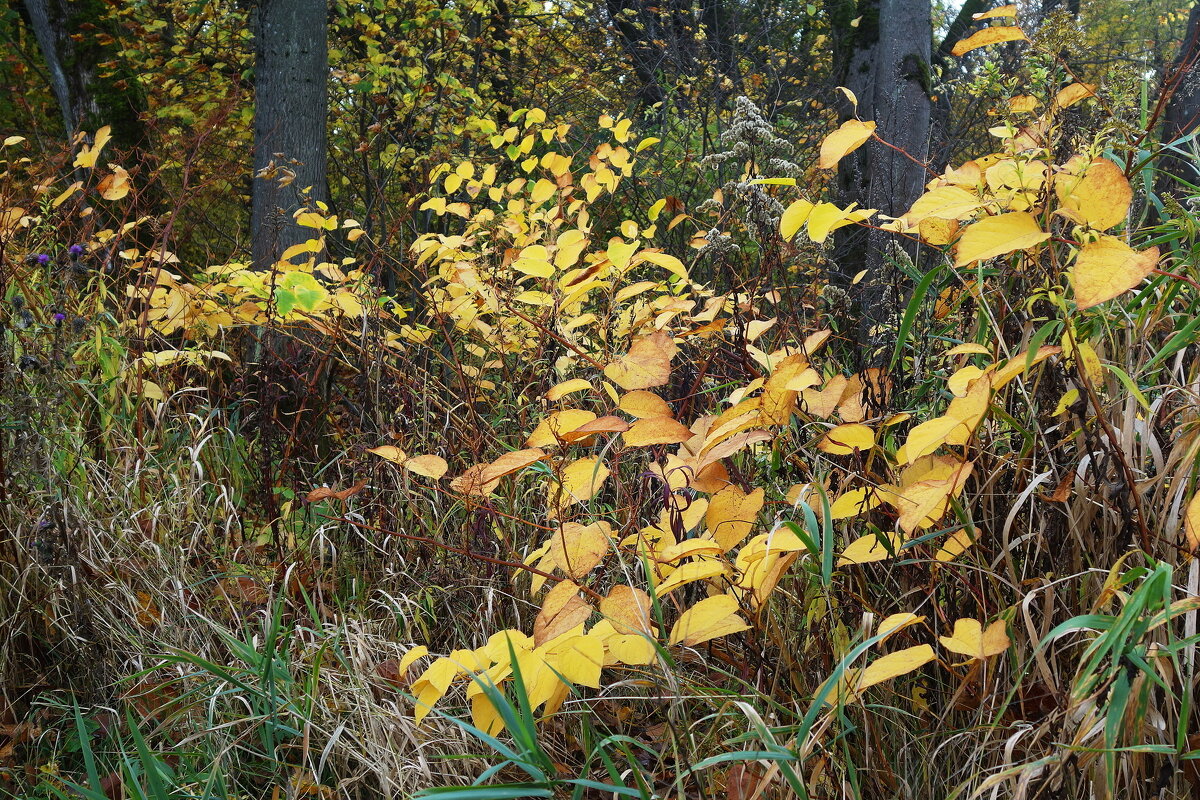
(59,317)
(75,250)
(42,258)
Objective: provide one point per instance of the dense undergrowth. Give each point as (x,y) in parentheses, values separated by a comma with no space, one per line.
(567,520)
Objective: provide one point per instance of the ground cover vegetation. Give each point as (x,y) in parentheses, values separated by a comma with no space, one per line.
(500,399)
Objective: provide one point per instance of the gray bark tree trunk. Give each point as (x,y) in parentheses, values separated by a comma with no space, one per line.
(885,62)
(291,103)
(1183,113)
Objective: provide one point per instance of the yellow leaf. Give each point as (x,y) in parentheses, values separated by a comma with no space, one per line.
(893,665)
(579,659)
(924,502)
(562,610)
(845,439)
(1191,523)
(1002,11)
(969,348)
(991,35)
(430,466)
(999,235)
(116,185)
(553,429)
(866,549)
(561,390)
(731,515)
(794,218)
(390,452)
(1070,95)
(87,156)
(580,482)
(852,135)
(642,404)
(628,609)
(646,365)
(971,640)
(854,502)
(826,218)
(897,622)
(943,202)
(690,573)
(543,190)
(1096,194)
(655,430)
(577,549)
(708,619)
(669,263)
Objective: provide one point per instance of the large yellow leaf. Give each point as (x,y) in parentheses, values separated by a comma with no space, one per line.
(845,439)
(562,610)
(826,218)
(1108,267)
(579,482)
(579,659)
(642,404)
(712,617)
(943,202)
(655,430)
(561,390)
(893,665)
(991,35)
(999,235)
(778,398)
(1096,193)
(578,548)
(646,365)
(971,640)
(793,218)
(429,466)
(871,547)
(854,502)
(690,573)
(731,515)
(627,608)
(852,135)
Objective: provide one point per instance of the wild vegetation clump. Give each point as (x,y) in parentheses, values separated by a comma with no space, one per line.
(584,458)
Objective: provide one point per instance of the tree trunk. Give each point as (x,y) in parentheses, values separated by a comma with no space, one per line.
(885,62)
(291,103)
(67,33)
(1182,116)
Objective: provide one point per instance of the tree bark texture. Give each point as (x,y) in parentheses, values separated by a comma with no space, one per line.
(885,63)
(291,104)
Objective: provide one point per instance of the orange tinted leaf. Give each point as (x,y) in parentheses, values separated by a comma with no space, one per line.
(987,36)
(656,430)
(646,365)
(852,135)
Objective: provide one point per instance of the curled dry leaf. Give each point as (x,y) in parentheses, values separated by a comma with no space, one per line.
(325,492)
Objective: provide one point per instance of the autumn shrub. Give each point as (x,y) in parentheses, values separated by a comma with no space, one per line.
(583,523)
